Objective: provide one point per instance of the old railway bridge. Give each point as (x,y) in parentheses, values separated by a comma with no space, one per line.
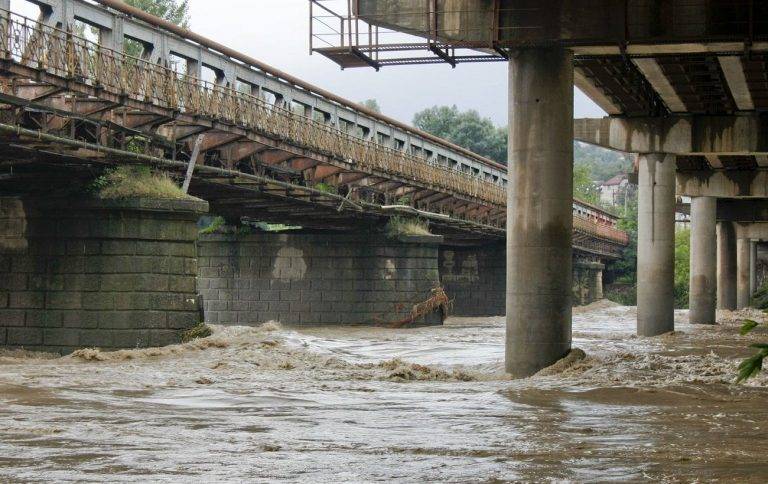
(90,85)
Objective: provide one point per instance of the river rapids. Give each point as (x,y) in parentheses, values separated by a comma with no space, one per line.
(410,405)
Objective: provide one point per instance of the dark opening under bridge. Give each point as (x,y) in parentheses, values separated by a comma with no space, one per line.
(86,86)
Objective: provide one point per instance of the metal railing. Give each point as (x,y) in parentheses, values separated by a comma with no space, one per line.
(69,56)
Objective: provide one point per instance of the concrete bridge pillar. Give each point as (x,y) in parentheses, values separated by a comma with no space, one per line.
(743,268)
(726,266)
(656,245)
(539,231)
(703,285)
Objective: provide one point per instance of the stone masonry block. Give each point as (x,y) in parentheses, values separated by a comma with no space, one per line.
(14,282)
(182,320)
(182,284)
(42,318)
(63,300)
(61,337)
(98,301)
(130,338)
(12,317)
(164,338)
(81,319)
(26,300)
(25,336)
(96,339)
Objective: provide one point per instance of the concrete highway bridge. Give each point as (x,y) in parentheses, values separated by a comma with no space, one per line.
(685,84)
(88,85)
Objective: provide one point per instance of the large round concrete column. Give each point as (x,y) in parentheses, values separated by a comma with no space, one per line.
(726,266)
(743,265)
(540,209)
(703,288)
(656,245)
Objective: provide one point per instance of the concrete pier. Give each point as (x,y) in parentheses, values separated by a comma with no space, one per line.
(726,266)
(743,264)
(703,288)
(656,245)
(539,221)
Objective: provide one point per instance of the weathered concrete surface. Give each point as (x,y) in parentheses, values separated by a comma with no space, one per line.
(677,134)
(656,245)
(475,279)
(726,266)
(703,272)
(539,220)
(743,264)
(587,281)
(723,184)
(316,279)
(108,274)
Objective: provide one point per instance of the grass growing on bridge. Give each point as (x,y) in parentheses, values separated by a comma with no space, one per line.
(137,182)
(398,226)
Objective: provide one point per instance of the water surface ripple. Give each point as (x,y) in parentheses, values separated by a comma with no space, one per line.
(364,404)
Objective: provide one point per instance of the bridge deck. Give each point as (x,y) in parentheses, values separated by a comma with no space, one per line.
(71,103)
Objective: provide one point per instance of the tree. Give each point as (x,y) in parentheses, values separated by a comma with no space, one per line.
(466,129)
(371,104)
(682,267)
(584,188)
(174,11)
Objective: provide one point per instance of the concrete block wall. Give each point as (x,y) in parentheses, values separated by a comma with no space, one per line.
(315,279)
(101,274)
(475,278)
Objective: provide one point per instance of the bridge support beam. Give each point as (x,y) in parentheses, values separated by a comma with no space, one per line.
(656,245)
(539,230)
(726,266)
(703,285)
(743,269)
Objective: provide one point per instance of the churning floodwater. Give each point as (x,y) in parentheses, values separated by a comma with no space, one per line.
(364,404)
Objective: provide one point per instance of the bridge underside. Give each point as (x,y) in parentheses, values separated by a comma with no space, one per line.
(69,108)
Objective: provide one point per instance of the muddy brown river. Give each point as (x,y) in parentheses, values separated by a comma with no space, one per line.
(412,405)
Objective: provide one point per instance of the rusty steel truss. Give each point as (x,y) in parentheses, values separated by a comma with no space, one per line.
(68,102)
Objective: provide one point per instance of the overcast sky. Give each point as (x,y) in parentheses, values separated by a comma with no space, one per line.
(277,32)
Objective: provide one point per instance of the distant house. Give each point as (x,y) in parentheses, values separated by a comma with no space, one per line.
(614,191)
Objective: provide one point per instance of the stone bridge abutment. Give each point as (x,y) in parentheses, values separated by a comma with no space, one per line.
(91,273)
(134,273)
